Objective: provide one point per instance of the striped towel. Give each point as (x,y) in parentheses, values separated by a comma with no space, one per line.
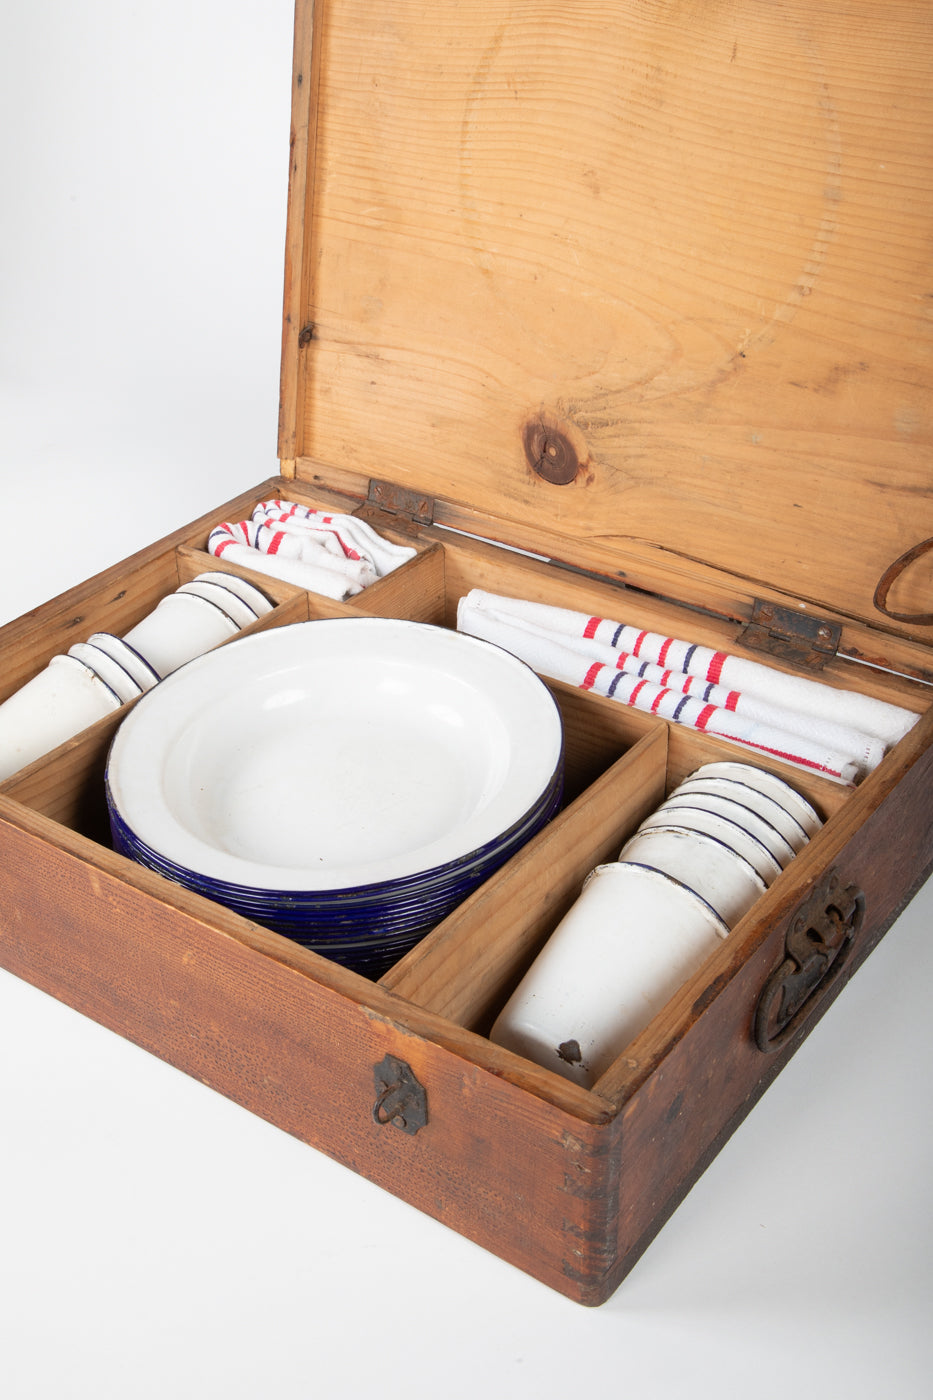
(334,555)
(839,733)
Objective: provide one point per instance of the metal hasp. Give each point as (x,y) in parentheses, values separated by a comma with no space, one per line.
(816,947)
(791,635)
(400,1099)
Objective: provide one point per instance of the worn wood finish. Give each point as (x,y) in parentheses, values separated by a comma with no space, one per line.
(301,1055)
(688,240)
(675,254)
(273,1026)
(681,1102)
(276,1027)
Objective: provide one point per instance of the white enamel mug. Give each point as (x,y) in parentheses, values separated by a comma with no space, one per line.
(143,674)
(54,706)
(616,958)
(111,672)
(229,602)
(753,800)
(179,629)
(728,832)
(706,865)
(768,783)
(257,600)
(744,817)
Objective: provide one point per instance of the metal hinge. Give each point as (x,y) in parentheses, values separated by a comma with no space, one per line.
(790,635)
(413,505)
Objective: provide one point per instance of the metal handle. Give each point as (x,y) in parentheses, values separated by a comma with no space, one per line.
(816,947)
(893,573)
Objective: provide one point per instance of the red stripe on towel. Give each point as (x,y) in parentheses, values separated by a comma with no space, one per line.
(348,552)
(638,641)
(732,699)
(662,654)
(704,717)
(634,695)
(274,543)
(591,627)
(589,679)
(715,667)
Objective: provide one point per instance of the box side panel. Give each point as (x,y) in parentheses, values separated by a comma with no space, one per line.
(687,1107)
(497,1164)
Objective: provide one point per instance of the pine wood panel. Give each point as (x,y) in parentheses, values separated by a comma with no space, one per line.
(693,236)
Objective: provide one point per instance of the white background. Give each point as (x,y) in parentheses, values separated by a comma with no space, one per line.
(154,1239)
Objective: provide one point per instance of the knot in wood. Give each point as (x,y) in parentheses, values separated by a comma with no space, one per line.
(550,451)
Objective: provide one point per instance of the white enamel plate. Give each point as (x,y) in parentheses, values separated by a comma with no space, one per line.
(333,754)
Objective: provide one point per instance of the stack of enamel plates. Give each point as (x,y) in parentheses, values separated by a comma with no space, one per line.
(346,783)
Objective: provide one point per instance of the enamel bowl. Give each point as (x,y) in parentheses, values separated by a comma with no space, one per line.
(346,782)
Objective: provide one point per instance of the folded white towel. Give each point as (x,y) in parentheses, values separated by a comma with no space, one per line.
(550,657)
(889,723)
(329,583)
(836,738)
(333,555)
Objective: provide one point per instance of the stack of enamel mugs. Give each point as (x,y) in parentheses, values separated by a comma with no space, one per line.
(105,672)
(643,924)
(346,782)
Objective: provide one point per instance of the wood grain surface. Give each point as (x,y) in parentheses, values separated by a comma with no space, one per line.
(687,243)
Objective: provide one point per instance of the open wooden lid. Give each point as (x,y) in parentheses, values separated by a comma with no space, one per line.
(626,280)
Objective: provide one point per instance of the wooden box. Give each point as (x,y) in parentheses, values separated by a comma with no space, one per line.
(638,290)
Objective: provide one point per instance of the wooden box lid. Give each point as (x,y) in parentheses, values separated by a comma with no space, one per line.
(635,283)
